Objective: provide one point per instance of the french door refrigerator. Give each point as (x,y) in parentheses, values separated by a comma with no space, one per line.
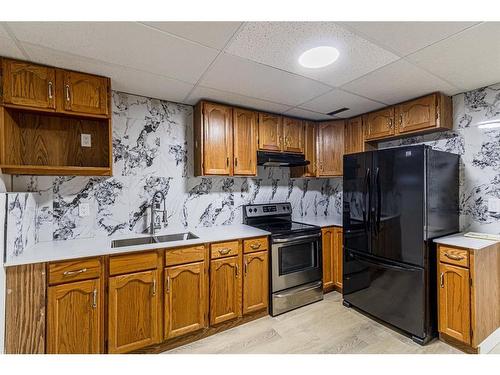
(395,201)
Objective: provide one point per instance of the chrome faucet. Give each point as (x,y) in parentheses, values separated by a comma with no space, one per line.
(155,207)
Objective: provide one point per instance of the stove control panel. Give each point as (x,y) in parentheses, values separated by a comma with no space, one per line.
(256,210)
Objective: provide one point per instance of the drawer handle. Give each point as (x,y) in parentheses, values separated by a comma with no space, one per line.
(442,280)
(454,257)
(71,273)
(224,251)
(255,245)
(94,299)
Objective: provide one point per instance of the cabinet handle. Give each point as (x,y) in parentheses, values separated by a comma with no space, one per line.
(50,89)
(245,266)
(168,285)
(390,123)
(71,273)
(237,270)
(401,119)
(235,162)
(454,257)
(442,280)
(154,287)
(224,251)
(227,162)
(67,92)
(94,299)
(255,245)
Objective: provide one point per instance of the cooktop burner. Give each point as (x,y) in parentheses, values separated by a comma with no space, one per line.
(285,227)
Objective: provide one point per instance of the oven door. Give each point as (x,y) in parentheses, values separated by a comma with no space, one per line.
(295,260)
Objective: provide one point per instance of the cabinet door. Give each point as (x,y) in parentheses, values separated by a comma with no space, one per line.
(133,317)
(293,135)
(417,114)
(74,318)
(337,257)
(217,139)
(225,289)
(353,136)
(255,282)
(309,152)
(270,132)
(28,85)
(379,124)
(83,93)
(186,301)
(327,242)
(454,302)
(330,148)
(245,142)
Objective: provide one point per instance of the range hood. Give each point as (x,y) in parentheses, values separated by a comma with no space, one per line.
(281,159)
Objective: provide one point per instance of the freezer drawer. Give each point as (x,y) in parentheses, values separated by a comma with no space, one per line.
(394,293)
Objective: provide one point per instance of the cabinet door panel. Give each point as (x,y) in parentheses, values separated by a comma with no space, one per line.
(330,148)
(454,302)
(379,124)
(245,142)
(417,114)
(354,136)
(217,135)
(133,311)
(255,281)
(337,257)
(293,135)
(28,85)
(327,242)
(225,289)
(84,93)
(186,301)
(270,132)
(74,318)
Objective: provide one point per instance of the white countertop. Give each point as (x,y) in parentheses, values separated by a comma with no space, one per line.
(81,248)
(459,240)
(320,221)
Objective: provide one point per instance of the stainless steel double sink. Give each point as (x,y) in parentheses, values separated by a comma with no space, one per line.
(153,239)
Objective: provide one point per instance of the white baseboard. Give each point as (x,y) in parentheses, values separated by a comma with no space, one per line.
(490,342)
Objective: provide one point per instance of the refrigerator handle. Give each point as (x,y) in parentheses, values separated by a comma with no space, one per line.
(379,198)
(366,194)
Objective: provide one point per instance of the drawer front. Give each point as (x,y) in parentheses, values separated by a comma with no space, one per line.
(453,255)
(255,244)
(184,255)
(224,249)
(133,263)
(74,270)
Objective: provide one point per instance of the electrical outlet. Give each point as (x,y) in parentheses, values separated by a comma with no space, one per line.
(84,209)
(86,140)
(494,205)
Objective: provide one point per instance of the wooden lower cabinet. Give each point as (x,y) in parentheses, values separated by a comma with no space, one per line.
(225,289)
(133,311)
(74,318)
(337,257)
(332,258)
(255,281)
(186,302)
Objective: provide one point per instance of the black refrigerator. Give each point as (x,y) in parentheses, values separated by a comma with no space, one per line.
(395,201)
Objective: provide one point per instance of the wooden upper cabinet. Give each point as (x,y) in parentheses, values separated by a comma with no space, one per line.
(379,124)
(293,135)
(74,318)
(82,93)
(310,139)
(225,289)
(270,132)
(330,148)
(133,311)
(255,281)
(418,114)
(244,142)
(28,85)
(186,299)
(217,139)
(354,140)
(454,302)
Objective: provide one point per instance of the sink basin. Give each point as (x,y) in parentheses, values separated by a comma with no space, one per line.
(153,239)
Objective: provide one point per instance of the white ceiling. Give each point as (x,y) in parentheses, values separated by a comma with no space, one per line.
(254,64)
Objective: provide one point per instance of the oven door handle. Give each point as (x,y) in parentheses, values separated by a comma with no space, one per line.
(293,239)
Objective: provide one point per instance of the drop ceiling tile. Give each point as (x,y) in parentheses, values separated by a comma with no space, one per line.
(212,34)
(468,60)
(280,44)
(9,49)
(125,43)
(397,82)
(122,78)
(406,37)
(337,99)
(245,77)
(308,115)
(201,92)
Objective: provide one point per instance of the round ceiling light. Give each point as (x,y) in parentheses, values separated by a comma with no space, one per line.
(319,57)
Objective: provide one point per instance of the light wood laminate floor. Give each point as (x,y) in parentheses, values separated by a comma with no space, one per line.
(323,327)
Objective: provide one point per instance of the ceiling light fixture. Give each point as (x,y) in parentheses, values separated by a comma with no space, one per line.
(489,124)
(319,57)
